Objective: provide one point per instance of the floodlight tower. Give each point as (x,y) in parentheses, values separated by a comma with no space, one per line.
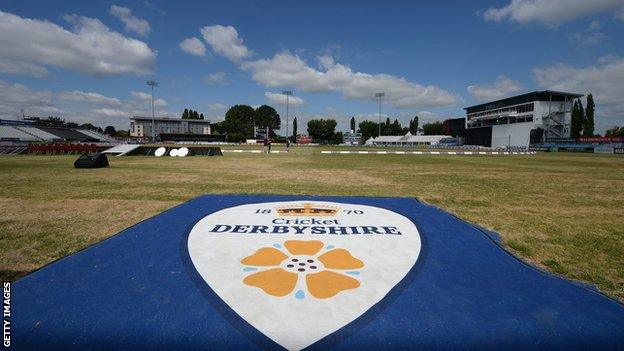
(380,95)
(153,84)
(287,93)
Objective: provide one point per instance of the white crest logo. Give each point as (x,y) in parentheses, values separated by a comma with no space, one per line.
(299,271)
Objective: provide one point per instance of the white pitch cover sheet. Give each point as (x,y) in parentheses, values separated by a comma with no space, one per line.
(300,270)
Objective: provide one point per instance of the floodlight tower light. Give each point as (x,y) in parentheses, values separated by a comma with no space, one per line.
(153,84)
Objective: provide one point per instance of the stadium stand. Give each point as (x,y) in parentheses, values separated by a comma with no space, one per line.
(20,132)
(97,135)
(10,133)
(69,134)
(38,133)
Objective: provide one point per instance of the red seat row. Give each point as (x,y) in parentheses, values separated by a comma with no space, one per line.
(61,148)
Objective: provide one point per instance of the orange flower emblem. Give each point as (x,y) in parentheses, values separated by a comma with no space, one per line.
(302,262)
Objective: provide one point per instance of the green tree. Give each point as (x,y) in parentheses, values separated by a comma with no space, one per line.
(322,130)
(396,128)
(387,122)
(576,122)
(369,129)
(434,128)
(88,126)
(201,116)
(337,138)
(294,133)
(353,124)
(266,116)
(122,134)
(238,123)
(185,114)
(110,130)
(615,131)
(588,126)
(414,125)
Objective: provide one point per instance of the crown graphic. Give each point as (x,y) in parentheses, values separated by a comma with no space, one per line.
(307,209)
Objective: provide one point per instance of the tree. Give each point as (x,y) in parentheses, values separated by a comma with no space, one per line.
(414,125)
(294,134)
(122,134)
(369,129)
(266,116)
(576,122)
(434,128)
(588,126)
(322,130)
(396,129)
(238,123)
(615,132)
(191,114)
(110,130)
(388,121)
(88,126)
(337,138)
(353,124)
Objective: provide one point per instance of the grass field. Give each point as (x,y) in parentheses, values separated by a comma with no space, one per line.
(564,212)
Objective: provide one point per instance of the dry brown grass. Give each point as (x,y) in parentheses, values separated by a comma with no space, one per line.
(560,211)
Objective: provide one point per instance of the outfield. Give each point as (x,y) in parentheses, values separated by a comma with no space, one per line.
(561,211)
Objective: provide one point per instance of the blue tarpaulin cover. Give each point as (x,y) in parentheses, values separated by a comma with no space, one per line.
(140,290)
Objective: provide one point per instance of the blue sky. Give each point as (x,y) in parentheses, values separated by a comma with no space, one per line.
(88,61)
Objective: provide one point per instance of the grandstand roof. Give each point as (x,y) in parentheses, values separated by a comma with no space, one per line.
(544,95)
(168,119)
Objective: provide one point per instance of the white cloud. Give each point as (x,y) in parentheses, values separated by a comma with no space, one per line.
(218,77)
(132,23)
(588,38)
(603,79)
(280,99)
(224,40)
(88,97)
(76,106)
(147,97)
(217,106)
(503,87)
(110,112)
(550,12)
(288,70)
(193,46)
(18,67)
(17,96)
(90,47)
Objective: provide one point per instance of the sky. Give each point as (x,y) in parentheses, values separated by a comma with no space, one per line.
(88,61)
